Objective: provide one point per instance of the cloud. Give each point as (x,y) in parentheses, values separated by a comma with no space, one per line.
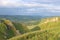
(47,7)
(31,5)
(11,3)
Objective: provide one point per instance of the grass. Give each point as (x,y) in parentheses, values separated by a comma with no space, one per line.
(37,35)
(43,31)
(48,31)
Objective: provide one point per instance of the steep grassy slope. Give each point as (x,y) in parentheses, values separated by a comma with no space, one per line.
(49,30)
(50,23)
(21,27)
(3,31)
(37,35)
(9,29)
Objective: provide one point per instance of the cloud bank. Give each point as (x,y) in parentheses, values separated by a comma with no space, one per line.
(33,6)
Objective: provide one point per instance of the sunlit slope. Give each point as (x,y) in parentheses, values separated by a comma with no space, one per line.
(37,35)
(49,30)
(50,23)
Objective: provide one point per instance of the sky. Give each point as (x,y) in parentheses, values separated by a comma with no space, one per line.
(30,7)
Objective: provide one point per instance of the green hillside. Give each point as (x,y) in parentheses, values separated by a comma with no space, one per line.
(3,31)
(50,23)
(46,29)
(38,35)
(10,29)
(49,30)
(21,27)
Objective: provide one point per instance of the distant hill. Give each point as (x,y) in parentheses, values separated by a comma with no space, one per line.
(28,20)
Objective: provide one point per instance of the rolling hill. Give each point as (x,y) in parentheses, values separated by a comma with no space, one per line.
(46,29)
(49,30)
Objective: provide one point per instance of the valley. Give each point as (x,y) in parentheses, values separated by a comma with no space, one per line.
(29,28)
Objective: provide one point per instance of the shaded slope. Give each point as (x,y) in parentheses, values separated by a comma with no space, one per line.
(35,28)
(10,30)
(21,27)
